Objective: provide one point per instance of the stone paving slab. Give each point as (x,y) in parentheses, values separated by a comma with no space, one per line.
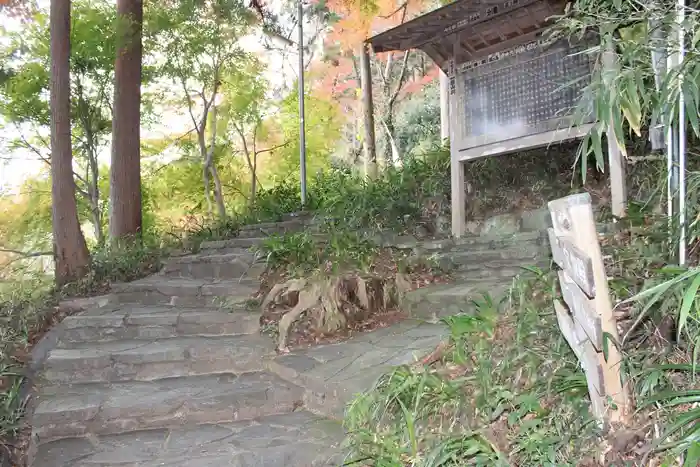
(434,302)
(334,373)
(298,439)
(514,254)
(127,323)
(158,290)
(214,266)
(209,257)
(143,360)
(244,242)
(78,410)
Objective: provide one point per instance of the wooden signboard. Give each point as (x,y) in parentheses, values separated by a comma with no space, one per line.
(585,318)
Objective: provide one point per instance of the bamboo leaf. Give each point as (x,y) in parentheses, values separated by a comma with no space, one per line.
(691,110)
(689,298)
(634,109)
(596,136)
(692,457)
(583,154)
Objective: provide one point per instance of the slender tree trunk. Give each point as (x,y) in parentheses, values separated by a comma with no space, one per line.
(254,178)
(97,224)
(218,191)
(92,176)
(205,169)
(125,178)
(391,150)
(94,193)
(393,155)
(209,165)
(71,255)
(368,112)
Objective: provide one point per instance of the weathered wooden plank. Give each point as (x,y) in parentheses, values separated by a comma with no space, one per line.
(595,377)
(588,358)
(573,222)
(575,262)
(568,329)
(583,310)
(560,210)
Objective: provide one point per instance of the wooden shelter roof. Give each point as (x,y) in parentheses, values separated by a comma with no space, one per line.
(481,27)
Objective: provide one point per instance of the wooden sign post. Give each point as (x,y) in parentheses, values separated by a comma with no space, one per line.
(588,321)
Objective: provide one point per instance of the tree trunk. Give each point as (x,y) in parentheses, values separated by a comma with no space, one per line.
(391,150)
(368,112)
(218,191)
(252,162)
(92,177)
(97,224)
(254,179)
(209,164)
(125,178)
(94,193)
(205,170)
(71,255)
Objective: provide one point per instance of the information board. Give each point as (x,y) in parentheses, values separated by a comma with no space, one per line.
(523,91)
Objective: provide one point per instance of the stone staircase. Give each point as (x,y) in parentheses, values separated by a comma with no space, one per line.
(480,265)
(159,374)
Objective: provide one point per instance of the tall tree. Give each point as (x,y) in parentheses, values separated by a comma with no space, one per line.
(200,45)
(242,110)
(71,253)
(125,179)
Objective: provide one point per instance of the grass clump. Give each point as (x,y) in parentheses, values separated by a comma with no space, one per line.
(302,253)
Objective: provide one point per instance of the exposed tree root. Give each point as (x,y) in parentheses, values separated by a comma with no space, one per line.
(334,302)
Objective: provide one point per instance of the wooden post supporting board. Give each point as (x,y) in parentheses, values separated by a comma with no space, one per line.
(617,162)
(588,321)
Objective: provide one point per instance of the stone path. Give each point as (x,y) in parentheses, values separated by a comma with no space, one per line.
(160,374)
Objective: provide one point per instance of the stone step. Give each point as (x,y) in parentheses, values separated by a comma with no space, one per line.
(214,266)
(265,229)
(489,258)
(155,322)
(333,374)
(434,302)
(150,360)
(495,265)
(159,290)
(239,243)
(234,245)
(104,409)
(526,244)
(467,275)
(297,439)
(481,243)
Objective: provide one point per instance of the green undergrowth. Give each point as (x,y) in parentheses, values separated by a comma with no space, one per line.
(337,251)
(504,390)
(342,197)
(415,197)
(302,253)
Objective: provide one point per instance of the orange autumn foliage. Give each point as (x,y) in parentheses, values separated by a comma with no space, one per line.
(360,19)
